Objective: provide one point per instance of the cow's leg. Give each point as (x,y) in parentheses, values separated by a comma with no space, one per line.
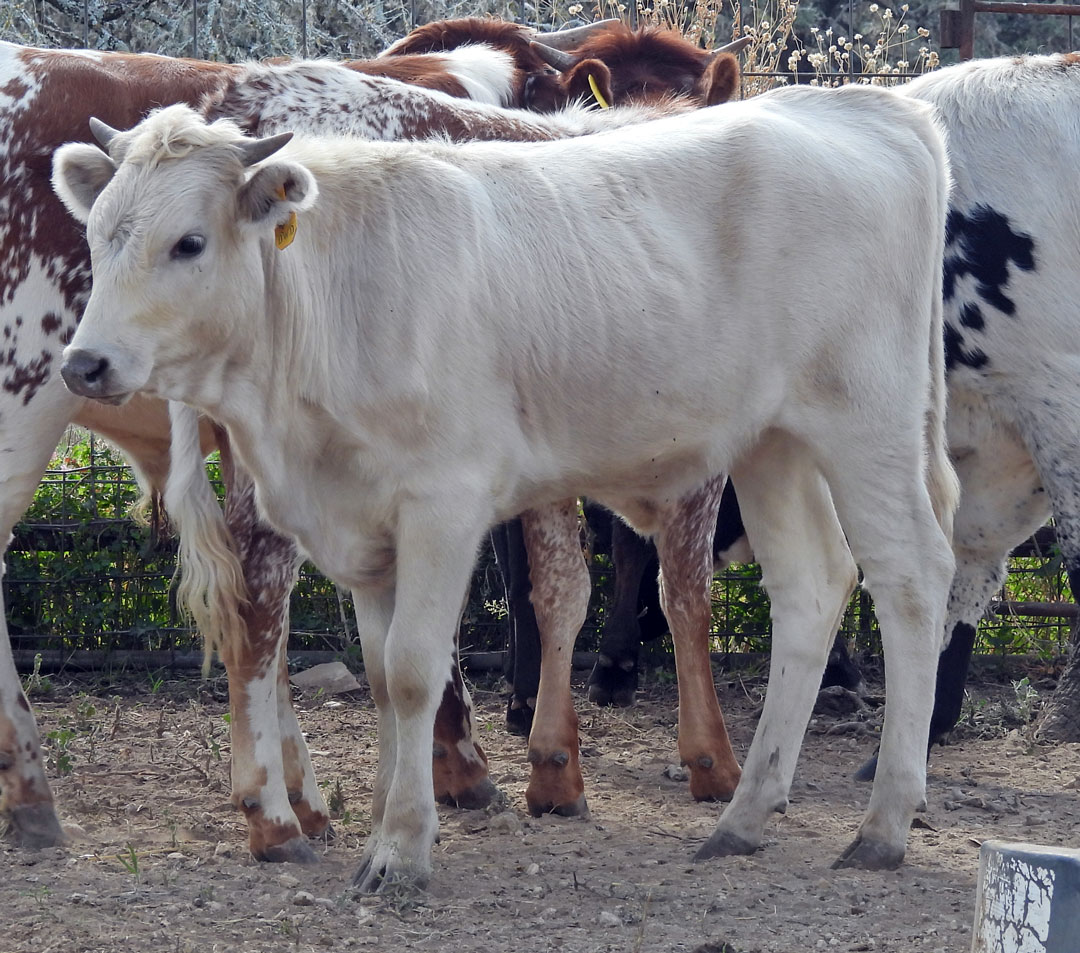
(560,595)
(436,551)
(29,433)
(522,667)
(1001,504)
(685,546)
(614,678)
(883,501)
(303,790)
(374,609)
(809,574)
(460,769)
(272,779)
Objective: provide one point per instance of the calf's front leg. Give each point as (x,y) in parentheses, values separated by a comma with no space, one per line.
(407,665)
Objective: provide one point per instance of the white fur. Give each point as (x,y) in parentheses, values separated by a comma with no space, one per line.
(420,373)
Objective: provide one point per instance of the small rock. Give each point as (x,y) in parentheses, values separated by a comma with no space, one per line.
(176,855)
(608,919)
(223,850)
(303,899)
(677,772)
(326,903)
(288,880)
(532,870)
(331,678)
(505,823)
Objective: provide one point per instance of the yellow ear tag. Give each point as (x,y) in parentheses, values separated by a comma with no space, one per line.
(284,234)
(604,104)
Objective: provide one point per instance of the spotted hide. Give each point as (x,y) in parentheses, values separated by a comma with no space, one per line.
(1012,340)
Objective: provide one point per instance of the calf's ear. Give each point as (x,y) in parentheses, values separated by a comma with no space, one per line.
(276,190)
(720,81)
(80,172)
(590,80)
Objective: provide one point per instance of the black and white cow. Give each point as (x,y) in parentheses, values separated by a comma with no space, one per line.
(1012,332)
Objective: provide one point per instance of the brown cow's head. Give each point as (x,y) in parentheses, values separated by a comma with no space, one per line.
(641,66)
(537,86)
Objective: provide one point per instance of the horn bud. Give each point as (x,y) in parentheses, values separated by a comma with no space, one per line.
(554,58)
(735,46)
(255,150)
(571,36)
(102,132)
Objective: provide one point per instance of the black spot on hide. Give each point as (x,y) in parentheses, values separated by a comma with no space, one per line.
(983,245)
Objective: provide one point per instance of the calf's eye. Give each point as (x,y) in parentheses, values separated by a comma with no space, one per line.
(190,246)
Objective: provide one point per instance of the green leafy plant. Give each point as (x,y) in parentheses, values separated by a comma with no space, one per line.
(129,860)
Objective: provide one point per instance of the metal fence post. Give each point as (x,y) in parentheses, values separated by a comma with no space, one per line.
(195,29)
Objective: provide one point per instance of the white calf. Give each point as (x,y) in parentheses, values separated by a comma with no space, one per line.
(396,380)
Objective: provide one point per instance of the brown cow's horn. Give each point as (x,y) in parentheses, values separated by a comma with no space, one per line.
(102,132)
(571,36)
(735,46)
(554,58)
(255,150)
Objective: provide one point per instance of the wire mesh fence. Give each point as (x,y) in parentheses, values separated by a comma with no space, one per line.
(82,575)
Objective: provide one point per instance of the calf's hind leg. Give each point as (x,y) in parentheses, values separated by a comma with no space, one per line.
(809,574)
(560,595)
(685,546)
(907,565)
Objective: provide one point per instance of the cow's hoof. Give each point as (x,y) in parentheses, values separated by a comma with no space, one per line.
(725,844)
(381,872)
(870,855)
(35,826)
(296,850)
(613,685)
(472,798)
(518,719)
(579,807)
(712,782)
(868,769)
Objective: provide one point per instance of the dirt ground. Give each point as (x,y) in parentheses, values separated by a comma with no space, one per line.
(140,767)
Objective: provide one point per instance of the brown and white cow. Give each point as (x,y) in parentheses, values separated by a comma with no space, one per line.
(619,65)
(44,281)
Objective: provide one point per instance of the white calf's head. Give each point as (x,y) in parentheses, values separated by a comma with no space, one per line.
(178,217)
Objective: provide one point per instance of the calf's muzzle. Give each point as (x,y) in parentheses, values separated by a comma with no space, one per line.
(86,373)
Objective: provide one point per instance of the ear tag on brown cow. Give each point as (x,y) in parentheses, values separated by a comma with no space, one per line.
(604,104)
(284,234)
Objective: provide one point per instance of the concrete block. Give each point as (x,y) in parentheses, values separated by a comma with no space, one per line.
(1027,899)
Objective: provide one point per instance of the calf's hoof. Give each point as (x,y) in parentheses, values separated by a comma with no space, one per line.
(613,684)
(725,844)
(472,798)
(381,872)
(35,826)
(870,855)
(555,785)
(712,782)
(296,850)
(868,769)
(519,719)
(578,807)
